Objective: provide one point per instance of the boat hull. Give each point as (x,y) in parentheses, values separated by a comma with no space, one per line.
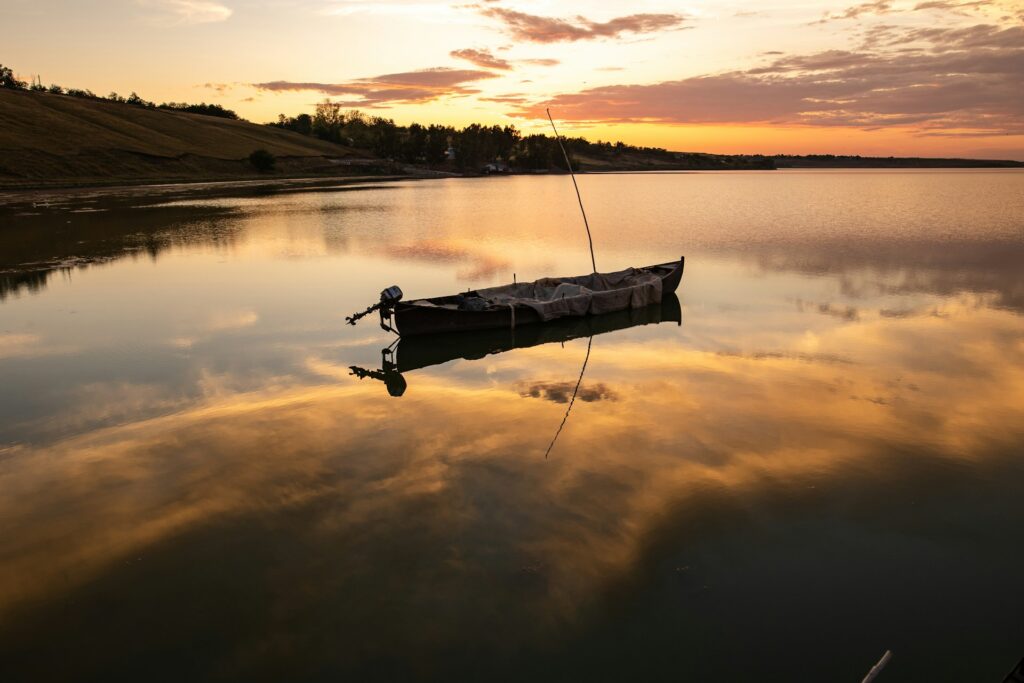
(412,320)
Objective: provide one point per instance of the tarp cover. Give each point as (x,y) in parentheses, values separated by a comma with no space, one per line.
(566,296)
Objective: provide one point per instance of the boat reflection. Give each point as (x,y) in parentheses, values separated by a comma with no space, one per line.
(414,353)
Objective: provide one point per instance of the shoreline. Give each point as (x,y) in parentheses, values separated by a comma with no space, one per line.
(147,193)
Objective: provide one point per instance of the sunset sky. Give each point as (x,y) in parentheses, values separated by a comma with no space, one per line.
(883,77)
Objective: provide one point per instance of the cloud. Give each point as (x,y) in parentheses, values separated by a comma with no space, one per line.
(948,6)
(409,87)
(954,81)
(879,7)
(872,7)
(190,11)
(403,9)
(509,98)
(538,29)
(232,320)
(475,263)
(561,392)
(486,60)
(481,58)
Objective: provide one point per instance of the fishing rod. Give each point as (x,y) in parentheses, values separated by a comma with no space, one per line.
(577,187)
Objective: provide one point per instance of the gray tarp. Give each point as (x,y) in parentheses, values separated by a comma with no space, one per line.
(569,296)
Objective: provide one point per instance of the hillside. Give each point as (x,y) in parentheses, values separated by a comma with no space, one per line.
(58,139)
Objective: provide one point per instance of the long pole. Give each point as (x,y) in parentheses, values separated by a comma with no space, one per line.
(577,187)
(572,400)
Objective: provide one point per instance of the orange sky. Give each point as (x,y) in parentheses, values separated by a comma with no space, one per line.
(901,77)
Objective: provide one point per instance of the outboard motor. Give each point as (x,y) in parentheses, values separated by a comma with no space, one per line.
(388,298)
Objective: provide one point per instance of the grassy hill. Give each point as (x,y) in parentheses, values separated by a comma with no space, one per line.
(58,139)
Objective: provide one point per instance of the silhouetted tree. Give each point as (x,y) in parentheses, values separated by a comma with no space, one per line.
(134,99)
(328,120)
(8,80)
(303,123)
(386,141)
(437,140)
(415,145)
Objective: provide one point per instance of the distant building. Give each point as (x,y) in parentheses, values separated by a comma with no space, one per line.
(494,167)
(449,154)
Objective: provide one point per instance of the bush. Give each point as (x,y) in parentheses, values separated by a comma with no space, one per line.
(262,160)
(7,79)
(55,90)
(134,99)
(203,109)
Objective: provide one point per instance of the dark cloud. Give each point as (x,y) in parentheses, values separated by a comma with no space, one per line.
(538,29)
(409,87)
(561,392)
(481,58)
(963,79)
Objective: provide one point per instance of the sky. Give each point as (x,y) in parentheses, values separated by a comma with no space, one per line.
(878,77)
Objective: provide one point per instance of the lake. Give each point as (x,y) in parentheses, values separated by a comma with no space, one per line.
(813,455)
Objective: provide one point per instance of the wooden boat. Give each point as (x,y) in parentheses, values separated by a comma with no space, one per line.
(417,352)
(450,313)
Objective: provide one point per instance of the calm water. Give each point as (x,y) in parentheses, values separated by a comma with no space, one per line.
(815,456)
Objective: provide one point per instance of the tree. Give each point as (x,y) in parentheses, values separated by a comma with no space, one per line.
(437,143)
(262,160)
(203,108)
(138,101)
(386,143)
(7,79)
(415,144)
(328,120)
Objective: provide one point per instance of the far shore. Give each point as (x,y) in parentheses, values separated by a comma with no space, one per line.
(78,196)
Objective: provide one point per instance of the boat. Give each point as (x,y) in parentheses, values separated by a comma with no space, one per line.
(522,304)
(418,352)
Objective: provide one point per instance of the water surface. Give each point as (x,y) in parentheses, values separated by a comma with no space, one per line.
(813,456)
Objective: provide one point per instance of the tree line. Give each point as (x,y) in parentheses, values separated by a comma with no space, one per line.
(10,81)
(469,148)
